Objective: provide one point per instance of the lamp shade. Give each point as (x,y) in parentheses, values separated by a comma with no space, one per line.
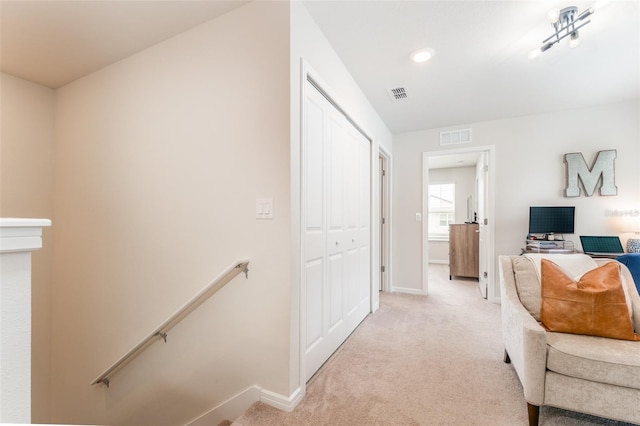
(627,223)
(632,225)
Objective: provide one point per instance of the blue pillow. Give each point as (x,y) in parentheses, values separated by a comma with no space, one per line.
(632,261)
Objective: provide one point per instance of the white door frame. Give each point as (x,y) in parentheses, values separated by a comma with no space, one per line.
(492,279)
(385,249)
(307,73)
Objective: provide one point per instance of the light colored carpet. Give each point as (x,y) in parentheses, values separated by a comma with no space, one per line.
(434,360)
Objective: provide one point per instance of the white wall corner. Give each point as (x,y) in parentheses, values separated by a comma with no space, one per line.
(230,410)
(418,291)
(235,406)
(282,402)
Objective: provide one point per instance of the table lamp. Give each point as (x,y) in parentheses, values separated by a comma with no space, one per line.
(633,243)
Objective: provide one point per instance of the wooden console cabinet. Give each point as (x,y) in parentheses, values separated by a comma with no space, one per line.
(464,250)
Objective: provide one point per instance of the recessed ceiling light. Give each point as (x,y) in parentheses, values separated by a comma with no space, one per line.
(422,55)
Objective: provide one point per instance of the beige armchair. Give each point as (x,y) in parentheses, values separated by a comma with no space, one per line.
(594,375)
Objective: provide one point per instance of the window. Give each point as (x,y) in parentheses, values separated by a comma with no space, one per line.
(441,210)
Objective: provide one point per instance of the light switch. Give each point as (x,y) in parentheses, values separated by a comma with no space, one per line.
(264,208)
(418,217)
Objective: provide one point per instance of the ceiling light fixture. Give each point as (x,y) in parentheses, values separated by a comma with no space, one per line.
(566,23)
(422,55)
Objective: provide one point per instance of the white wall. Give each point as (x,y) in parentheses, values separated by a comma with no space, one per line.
(529,171)
(159,161)
(308,43)
(26,190)
(465,179)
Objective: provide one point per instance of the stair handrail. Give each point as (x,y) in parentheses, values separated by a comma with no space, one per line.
(160,332)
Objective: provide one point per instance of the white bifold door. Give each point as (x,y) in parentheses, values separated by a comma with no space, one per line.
(336,231)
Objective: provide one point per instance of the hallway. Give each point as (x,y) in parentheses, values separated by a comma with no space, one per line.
(434,360)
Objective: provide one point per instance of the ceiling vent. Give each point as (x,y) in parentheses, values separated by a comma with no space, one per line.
(454,137)
(398,93)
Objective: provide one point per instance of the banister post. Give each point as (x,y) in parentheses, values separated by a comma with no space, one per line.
(18,238)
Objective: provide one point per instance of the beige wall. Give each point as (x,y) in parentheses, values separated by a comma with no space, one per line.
(26,190)
(529,171)
(159,161)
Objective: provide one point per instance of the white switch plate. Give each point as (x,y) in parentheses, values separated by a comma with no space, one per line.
(264,208)
(418,217)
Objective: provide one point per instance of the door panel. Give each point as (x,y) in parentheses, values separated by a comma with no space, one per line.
(314,167)
(313,286)
(351,182)
(336,293)
(365,274)
(335,176)
(352,277)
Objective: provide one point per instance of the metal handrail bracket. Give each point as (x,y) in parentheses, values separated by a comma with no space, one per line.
(237,267)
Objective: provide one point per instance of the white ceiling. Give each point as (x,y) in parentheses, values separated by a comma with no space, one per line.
(480,71)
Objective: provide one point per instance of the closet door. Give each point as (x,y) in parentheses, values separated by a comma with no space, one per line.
(336,228)
(357,226)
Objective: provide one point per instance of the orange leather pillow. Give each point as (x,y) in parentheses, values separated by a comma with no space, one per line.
(595,305)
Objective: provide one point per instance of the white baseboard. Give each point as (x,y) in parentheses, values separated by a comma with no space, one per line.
(439,262)
(230,410)
(235,406)
(417,291)
(282,402)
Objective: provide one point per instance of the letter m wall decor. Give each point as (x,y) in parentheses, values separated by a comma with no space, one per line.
(577,170)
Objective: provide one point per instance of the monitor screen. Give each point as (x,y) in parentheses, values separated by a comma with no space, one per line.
(547,220)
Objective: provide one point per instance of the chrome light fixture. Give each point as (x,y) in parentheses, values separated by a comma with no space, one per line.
(566,23)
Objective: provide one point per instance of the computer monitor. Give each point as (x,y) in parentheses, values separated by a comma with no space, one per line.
(551,220)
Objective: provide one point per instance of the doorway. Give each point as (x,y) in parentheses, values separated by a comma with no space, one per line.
(480,209)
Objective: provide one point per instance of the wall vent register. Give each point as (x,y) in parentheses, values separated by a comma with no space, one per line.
(455,137)
(398,93)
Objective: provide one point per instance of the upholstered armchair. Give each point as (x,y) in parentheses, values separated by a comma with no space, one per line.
(589,374)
